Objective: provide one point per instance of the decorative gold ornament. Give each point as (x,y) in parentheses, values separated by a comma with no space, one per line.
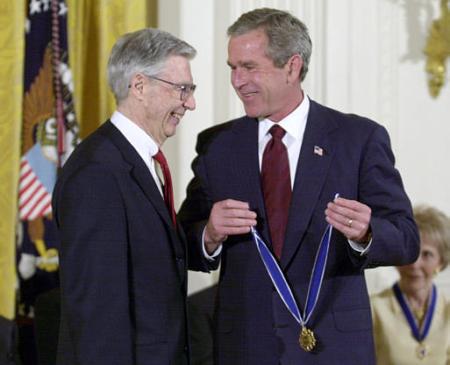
(307,339)
(48,257)
(437,50)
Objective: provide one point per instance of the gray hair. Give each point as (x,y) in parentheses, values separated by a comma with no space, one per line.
(287,35)
(435,226)
(144,51)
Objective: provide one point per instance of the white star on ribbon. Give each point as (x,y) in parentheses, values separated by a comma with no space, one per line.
(46,4)
(62,9)
(35,6)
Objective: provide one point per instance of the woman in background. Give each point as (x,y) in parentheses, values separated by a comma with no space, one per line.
(412,319)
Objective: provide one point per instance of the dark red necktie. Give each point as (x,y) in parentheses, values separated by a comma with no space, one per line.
(168,189)
(276,185)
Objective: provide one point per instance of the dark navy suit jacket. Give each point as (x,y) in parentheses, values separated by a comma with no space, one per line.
(253,327)
(123,263)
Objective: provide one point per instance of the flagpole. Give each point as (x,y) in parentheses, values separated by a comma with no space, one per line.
(56,60)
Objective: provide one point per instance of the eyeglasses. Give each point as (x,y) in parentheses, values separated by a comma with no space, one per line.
(186,90)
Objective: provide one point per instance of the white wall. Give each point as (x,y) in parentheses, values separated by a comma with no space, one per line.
(367,59)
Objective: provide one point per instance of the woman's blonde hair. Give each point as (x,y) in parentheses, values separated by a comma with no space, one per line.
(434,225)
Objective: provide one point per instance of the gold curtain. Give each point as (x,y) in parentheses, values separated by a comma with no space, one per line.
(12,25)
(93,27)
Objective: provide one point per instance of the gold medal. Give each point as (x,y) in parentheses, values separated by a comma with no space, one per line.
(307,339)
(421,350)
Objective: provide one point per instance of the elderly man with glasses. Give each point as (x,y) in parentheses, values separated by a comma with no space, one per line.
(123,267)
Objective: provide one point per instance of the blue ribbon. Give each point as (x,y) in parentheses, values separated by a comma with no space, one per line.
(418,334)
(279,280)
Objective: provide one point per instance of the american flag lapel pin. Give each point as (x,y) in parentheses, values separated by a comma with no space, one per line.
(318,151)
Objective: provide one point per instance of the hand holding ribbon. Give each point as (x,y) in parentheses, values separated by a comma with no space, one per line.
(227,217)
(351,218)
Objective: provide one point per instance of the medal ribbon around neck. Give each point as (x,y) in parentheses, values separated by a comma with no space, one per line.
(417,333)
(280,282)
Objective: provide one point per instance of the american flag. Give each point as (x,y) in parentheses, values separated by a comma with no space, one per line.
(318,151)
(50,129)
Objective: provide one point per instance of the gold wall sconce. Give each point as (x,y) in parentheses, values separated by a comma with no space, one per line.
(437,50)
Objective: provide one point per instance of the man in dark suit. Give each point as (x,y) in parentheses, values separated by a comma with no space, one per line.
(123,259)
(278,168)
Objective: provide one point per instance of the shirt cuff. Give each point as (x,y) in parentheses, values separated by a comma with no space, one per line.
(358,247)
(214,254)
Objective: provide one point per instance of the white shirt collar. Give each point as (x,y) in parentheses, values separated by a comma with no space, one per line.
(139,139)
(294,124)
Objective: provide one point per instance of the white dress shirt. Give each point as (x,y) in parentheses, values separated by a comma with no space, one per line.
(294,124)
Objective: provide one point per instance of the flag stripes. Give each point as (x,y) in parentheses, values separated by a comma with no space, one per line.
(34,199)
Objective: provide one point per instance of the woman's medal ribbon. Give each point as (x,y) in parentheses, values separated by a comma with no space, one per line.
(419,333)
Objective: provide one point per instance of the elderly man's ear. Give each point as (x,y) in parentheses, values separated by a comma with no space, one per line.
(137,84)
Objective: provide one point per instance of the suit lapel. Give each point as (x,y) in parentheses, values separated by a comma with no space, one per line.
(310,176)
(140,173)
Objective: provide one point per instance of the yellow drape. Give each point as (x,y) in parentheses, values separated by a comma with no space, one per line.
(12,24)
(93,27)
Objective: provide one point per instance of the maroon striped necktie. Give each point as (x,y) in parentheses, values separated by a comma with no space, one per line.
(276,185)
(168,188)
